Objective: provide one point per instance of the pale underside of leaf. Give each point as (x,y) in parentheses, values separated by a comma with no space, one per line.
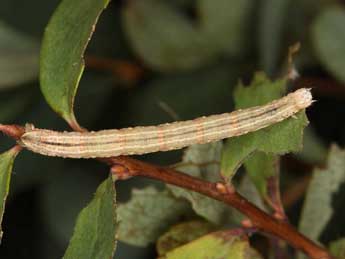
(325,183)
(147,215)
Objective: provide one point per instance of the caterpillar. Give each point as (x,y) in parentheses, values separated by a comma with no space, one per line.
(163,137)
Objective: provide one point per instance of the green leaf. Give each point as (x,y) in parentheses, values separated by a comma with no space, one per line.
(225,24)
(19,57)
(95,231)
(181,234)
(63,197)
(328,36)
(218,245)
(6,164)
(202,161)
(272,15)
(147,215)
(62,64)
(261,167)
(337,248)
(164,38)
(325,183)
(283,137)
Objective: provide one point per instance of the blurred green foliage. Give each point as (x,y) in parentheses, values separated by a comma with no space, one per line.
(190,53)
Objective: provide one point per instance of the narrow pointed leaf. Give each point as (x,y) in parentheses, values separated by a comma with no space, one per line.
(95,231)
(6,164)
(64,43)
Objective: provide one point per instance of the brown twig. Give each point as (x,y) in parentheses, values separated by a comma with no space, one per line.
(124,167)
(273,192)
(12,131)
(129,72)
(260,219)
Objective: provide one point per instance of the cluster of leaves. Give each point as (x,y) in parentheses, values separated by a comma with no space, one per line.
(199,45)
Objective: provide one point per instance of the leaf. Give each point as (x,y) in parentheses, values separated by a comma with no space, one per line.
(95,231)
(181,234)
(328,37)
(61,62)
(248,190)
(6,164)
(19,57)
(210,209)
(225,24)
(147,215)
(218,245)
(272,15)
(325,183)
(169,41)
(261,167)
(63,197)
(337,248)
(164,38)
(283,137)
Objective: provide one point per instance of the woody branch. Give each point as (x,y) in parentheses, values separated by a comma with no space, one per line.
(124,167)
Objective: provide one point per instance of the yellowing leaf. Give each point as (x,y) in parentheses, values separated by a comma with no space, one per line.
(218,245)
(181,234)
